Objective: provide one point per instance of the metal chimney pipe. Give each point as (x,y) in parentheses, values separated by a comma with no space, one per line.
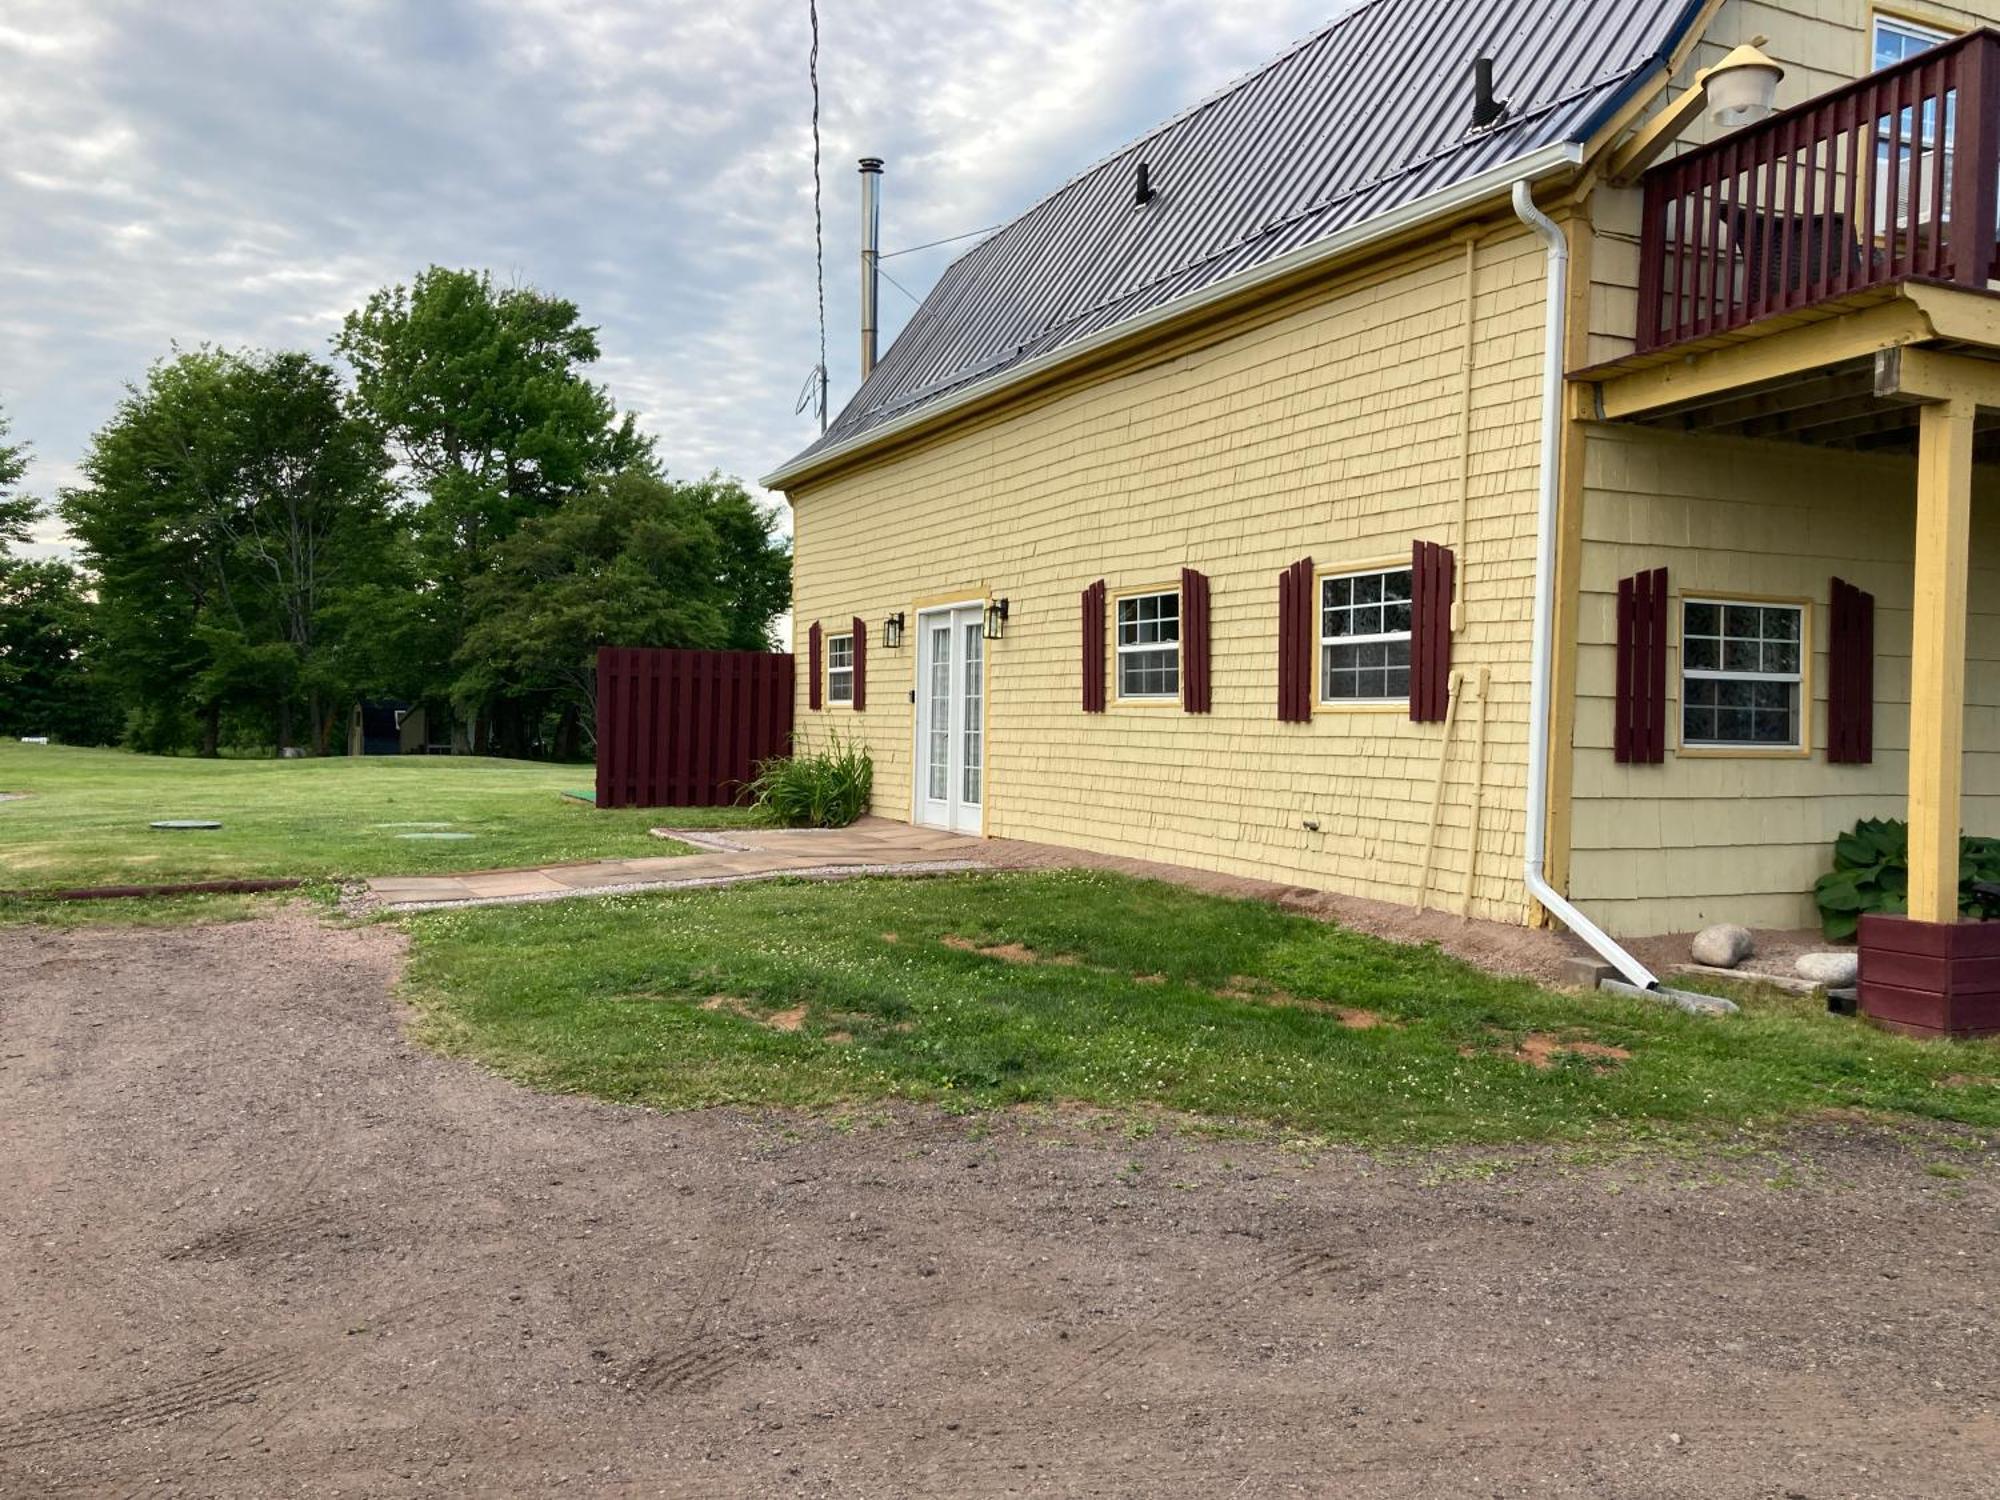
(871,254)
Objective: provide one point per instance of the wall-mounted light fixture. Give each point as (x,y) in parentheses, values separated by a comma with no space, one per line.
(1740,90)
(892,630)
(996,619)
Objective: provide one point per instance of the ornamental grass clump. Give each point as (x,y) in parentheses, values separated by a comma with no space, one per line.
(1871,873)
(826,788)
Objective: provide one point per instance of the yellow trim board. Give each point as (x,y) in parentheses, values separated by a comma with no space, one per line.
(1756,361)
(1937,656)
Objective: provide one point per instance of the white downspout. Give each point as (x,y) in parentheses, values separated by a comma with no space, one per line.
(1545,594)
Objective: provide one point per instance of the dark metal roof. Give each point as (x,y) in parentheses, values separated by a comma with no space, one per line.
(1370,114)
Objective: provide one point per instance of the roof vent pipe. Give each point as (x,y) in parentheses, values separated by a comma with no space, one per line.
(1142,187)
(1487,111)
(871,255)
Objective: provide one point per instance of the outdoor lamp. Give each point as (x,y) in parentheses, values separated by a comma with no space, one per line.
(1741,88)
(892,630)
(996,619)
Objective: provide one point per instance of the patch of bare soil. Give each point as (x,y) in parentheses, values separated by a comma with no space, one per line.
(1257,992)
(789,1020)
(254,1243)
(1012,953)
(1540,1049)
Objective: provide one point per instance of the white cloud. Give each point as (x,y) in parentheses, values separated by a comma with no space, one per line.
(244,172)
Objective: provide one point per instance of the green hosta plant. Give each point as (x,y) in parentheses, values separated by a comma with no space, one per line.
(1871,873)
(826,788)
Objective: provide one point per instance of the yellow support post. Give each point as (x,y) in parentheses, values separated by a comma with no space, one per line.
(1937,655)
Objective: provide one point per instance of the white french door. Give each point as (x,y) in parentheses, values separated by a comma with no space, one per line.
(951,717)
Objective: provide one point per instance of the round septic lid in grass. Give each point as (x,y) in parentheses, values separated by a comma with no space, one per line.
(186,823)
(433,835)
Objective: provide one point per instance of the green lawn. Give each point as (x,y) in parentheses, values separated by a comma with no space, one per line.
(1124,994)
(85,820)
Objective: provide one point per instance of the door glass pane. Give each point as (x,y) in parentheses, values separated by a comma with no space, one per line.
(975,662)
(938,725)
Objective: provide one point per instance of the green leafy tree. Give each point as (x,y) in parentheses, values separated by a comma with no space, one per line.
(17,511)
(481,392)
(51,678)
(636,560)
(230,501)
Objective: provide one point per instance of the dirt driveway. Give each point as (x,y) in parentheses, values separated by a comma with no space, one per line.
(254,1244)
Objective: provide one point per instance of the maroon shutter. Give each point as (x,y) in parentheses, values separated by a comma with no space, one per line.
(1093,648)
(1431,579)
(1639,732)
(860,663)
(815,662)
(1195,697)
(1850,689)
(1296,611)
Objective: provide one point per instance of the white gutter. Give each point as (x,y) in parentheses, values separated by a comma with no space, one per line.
(1557,288)
(1459,196)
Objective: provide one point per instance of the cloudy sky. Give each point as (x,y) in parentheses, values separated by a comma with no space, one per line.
(244,172)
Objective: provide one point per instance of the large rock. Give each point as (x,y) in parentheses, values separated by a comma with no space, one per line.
(1723,946)
(1835,970)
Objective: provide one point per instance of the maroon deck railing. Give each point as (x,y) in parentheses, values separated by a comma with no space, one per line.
(1892,176)
(687,728)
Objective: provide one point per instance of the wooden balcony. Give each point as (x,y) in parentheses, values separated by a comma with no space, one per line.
(1890,178)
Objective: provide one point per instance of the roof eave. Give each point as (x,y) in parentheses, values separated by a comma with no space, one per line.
(1537,166)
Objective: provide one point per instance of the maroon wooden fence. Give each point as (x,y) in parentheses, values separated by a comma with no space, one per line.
(687,728)
(1888,177)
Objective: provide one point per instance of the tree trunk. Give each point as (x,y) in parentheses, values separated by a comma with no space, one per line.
(482,732)
(211,731)
(567,735)
(284,726)
(317,725)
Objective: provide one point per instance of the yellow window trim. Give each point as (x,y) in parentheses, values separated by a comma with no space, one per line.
(972,593)
(1111,645)
(1808,647)
(1351,705)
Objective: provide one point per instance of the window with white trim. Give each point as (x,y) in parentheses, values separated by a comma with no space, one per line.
(1364,636)
(1895,40)
(1149,645)
(1741,674)
(840,668)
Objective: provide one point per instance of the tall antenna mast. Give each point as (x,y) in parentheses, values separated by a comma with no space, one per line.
(819,225)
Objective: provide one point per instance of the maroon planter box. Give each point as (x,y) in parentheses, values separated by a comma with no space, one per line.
(1931,978)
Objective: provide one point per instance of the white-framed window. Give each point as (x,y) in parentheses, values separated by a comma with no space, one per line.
(1742,674)
(1893,40)
(1364,636)
(1149,645)
(840,668)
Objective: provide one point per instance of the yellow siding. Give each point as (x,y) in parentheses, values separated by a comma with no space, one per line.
(1701,839)
(1329,427)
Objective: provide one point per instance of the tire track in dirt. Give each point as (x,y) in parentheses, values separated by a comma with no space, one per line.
(226,1385)
(713,1340)
(1137,1340)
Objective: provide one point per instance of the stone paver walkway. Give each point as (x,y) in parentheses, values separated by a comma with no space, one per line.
(873,846)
